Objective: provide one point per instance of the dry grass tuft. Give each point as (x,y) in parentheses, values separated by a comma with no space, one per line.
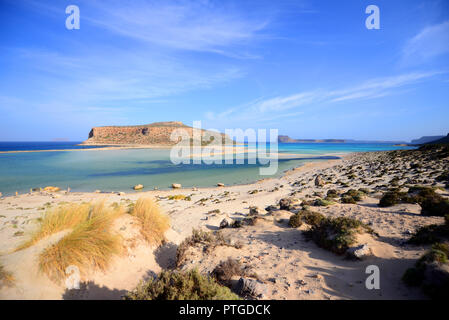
(90,245)
(153,223)
(6,278)
(65,217)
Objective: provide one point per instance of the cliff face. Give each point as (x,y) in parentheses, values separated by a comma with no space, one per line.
(157,133)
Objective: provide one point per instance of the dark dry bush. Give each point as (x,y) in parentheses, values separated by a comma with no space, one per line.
(208,239)
(352,196)
(173,285)
(332,193)
(227,269)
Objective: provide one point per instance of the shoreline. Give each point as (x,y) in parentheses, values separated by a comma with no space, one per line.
(284,173)
(271,248)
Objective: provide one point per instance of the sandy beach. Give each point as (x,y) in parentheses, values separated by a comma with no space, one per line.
(289,266)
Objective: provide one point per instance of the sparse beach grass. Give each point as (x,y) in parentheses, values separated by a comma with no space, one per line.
(90,245)
(153,223)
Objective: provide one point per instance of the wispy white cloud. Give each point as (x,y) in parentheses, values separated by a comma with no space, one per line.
(207,26)
(430,42)
(275,108)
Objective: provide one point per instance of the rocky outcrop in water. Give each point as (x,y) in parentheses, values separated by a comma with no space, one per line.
(157,133)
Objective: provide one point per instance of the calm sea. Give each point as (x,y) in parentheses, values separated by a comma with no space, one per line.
(119,170)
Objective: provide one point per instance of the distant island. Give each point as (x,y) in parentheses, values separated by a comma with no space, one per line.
(157,133)
(287,139)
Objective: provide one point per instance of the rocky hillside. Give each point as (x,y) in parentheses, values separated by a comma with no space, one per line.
(157,133)
(426,139)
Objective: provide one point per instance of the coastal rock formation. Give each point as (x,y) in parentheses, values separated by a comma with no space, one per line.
(157,133)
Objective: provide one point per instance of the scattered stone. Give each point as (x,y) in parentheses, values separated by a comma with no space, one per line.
(138,187)
(254,211)
(319,182)
(253,288)
(224,223)
(176,185)
(51,189)
(285,204)
(360,252)
(271,208)
(220,184)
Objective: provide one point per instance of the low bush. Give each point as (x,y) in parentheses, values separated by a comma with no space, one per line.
(434,282)
(337,234)
(208,239)
(227,269)
(189,285)
(431,234)
(305,216)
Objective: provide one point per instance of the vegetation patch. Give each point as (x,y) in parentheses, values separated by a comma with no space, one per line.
(179,197)
(337,234)
(6,278)
(431,272)
(227,269)
(153,223)
(189,285)
(199,237)
(90,245)
(305,216)
(431,234)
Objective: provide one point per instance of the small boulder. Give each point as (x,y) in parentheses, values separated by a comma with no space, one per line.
(252,288)
(360,252)
(319,182)
(285,203)
(220,184)
(224,223)
(138,187)
(176,185)
(271,208)
(254,211)
(51,189)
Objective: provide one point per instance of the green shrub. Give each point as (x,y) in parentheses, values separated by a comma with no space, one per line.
(337,234)
(295,221)
(173,285)
(347,199)
(306,216)
(332,193)
(391,198)
(430,234)
(322,203)
(438,287)
(435,205)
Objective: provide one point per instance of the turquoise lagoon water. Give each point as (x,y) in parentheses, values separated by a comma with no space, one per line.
(119,170)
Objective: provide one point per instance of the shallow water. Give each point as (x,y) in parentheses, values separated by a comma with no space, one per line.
(119,170)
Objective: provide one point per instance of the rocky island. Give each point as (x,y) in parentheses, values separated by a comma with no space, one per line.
(157,133)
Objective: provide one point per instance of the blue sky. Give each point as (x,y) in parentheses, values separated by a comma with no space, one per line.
(309,68)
